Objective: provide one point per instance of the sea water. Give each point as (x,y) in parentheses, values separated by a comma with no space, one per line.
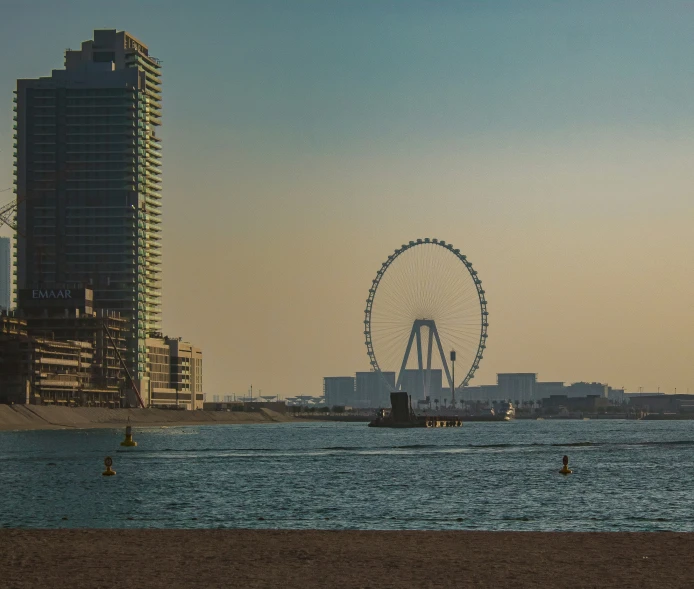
(627,475)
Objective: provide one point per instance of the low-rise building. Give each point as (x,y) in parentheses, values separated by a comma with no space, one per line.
(662,403)
(486,393)
(517,386)
(56,348)
(365,390)
(42,371)
(616,395)
(544,390)
(590,403)
(372,391)
(68,314)
(587,389)
(629,396)
(174,373)
(421,384)
(338,390)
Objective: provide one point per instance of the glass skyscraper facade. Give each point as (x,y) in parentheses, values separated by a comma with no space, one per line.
(88,181)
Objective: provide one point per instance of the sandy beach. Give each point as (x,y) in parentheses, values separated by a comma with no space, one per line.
(36,417)
(311,559)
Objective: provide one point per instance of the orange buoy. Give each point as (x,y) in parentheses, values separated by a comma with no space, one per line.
(109,472)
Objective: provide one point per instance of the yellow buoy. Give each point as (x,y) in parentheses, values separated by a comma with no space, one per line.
(565,469)
(128,441)
(109,472)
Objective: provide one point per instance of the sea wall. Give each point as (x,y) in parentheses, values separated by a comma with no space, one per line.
(26,417)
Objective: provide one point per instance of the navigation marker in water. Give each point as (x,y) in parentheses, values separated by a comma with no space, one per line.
(107,463)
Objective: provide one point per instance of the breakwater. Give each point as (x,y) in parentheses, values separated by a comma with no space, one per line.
(33,417)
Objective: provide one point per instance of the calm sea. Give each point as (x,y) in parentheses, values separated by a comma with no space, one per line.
(628,475)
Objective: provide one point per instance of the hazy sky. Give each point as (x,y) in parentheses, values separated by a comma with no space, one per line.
(552,142)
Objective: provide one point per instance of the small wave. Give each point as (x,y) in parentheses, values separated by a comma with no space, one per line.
(385,448)
(576,444)
(637,518)
(666,443)
(407,447)
(196,450)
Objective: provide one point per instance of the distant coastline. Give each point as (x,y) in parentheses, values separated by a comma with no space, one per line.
(36,417)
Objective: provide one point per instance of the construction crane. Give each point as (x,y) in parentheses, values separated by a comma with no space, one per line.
(8,212)
(123,365)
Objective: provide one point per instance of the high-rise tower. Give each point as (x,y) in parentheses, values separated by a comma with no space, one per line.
(87,160)
(5,273)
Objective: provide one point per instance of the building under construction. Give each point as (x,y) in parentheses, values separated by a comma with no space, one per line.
(56,349)
(75,319)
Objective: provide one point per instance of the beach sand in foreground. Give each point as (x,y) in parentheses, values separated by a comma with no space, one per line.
(310,559)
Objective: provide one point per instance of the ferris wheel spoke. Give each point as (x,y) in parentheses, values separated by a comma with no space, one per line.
(393,300)
(463,342)
(469,308)
(464,322)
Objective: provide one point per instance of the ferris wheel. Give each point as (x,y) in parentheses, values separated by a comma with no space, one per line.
(425,302)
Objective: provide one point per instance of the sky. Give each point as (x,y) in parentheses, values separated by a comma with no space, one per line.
(304,141)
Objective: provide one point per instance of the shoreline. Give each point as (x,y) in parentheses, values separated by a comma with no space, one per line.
(36,417)
(309,559)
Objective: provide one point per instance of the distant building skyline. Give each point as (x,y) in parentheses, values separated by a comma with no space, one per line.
(369,390)
(523,387)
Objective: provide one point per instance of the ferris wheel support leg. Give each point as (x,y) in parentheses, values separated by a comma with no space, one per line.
(430,343)
(398,384)
(443,357)
(420,364)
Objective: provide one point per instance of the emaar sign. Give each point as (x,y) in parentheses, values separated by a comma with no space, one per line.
(55,298)
(51,294)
